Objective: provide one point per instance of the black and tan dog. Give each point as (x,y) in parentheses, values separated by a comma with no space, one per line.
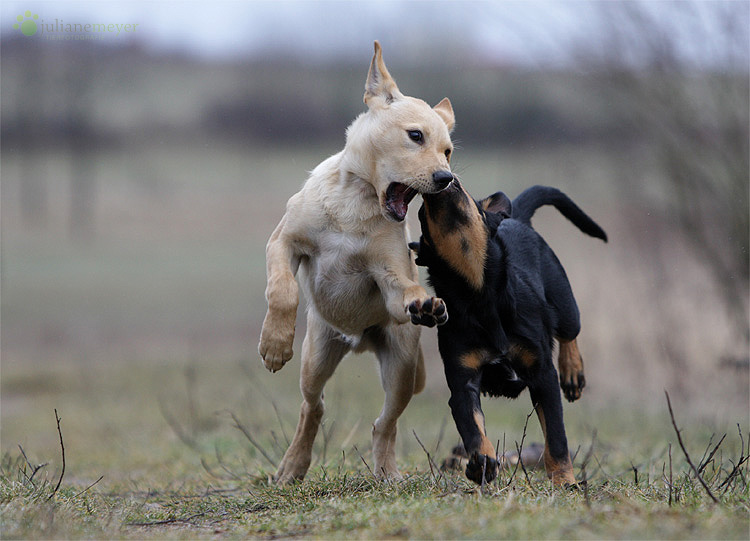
(509,300)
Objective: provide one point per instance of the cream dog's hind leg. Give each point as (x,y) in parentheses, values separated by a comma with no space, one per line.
(399,355)
(322,350)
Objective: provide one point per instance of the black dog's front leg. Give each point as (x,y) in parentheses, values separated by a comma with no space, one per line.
(464,383)
(545,395)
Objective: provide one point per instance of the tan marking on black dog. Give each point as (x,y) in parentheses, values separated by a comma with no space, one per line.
(485,204)
(559,471)
(518,352)
(486,447)
(570,367)
(569,359)
(461,241)
(473,360)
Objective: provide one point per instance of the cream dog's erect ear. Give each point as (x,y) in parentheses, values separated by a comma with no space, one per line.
(380,87)
(445,111)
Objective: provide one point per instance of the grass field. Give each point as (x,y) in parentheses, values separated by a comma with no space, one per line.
(165,439)
(143,339)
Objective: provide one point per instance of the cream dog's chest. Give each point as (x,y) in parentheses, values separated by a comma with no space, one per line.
(338,281)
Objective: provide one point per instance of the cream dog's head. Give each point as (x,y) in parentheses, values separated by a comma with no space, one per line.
(401,145)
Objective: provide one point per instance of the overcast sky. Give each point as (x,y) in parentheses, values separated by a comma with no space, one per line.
(510,31)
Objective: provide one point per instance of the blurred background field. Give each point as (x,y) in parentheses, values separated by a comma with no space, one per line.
(142,176)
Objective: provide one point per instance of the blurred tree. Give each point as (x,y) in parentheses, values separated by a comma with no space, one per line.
(681,70)
(82,139)
(34,200)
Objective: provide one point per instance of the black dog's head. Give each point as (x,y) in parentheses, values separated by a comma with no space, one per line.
(456,229)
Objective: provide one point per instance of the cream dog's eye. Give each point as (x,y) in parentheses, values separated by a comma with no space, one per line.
(416,135)
(448,153)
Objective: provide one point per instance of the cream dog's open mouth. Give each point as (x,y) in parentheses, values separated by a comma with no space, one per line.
(397,199)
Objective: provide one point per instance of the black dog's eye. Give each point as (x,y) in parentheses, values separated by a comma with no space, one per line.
(416,136)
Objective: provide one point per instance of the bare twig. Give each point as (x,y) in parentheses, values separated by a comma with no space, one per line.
(671,485)
(575,454)
(192,410)
(584,477)
(343,461)
(484,470)
(505,459)
(277,445)
(440,434)
(684,450)
(364,461)
(188,520)
(585,483)
(707,460)
(250,438)
(668,479)
(34,469)
(590,451)
(209,469)
(386,477)
(281,423)
(187,439)
(433,466)
(520,447)
(733,473)
(220,461)
(326,439)
(523,466)
(89,487)
(23,453)
(600,467)
(62,449)
(742,440)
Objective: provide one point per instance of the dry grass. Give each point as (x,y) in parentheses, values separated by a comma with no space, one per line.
(175,466)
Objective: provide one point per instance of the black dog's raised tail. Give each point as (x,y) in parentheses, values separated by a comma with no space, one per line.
(525,205)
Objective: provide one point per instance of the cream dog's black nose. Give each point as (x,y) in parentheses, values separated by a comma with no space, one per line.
(442,178)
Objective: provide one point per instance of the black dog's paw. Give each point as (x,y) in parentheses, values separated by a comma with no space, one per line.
(572,386)
(570,365)
(479,464)
(428,312)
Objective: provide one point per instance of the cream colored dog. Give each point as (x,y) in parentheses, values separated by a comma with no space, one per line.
(344,230)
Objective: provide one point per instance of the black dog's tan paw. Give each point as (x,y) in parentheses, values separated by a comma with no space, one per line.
(479,464)
(572,385)
(428,312)
(570,365)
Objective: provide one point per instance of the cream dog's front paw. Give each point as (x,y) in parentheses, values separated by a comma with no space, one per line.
(275,345)
(428,312)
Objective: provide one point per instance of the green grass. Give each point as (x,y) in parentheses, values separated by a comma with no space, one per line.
(341,503)
(121,423)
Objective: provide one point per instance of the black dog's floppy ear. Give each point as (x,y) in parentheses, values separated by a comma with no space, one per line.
(497,203)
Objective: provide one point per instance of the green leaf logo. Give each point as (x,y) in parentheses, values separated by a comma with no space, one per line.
(26,23)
